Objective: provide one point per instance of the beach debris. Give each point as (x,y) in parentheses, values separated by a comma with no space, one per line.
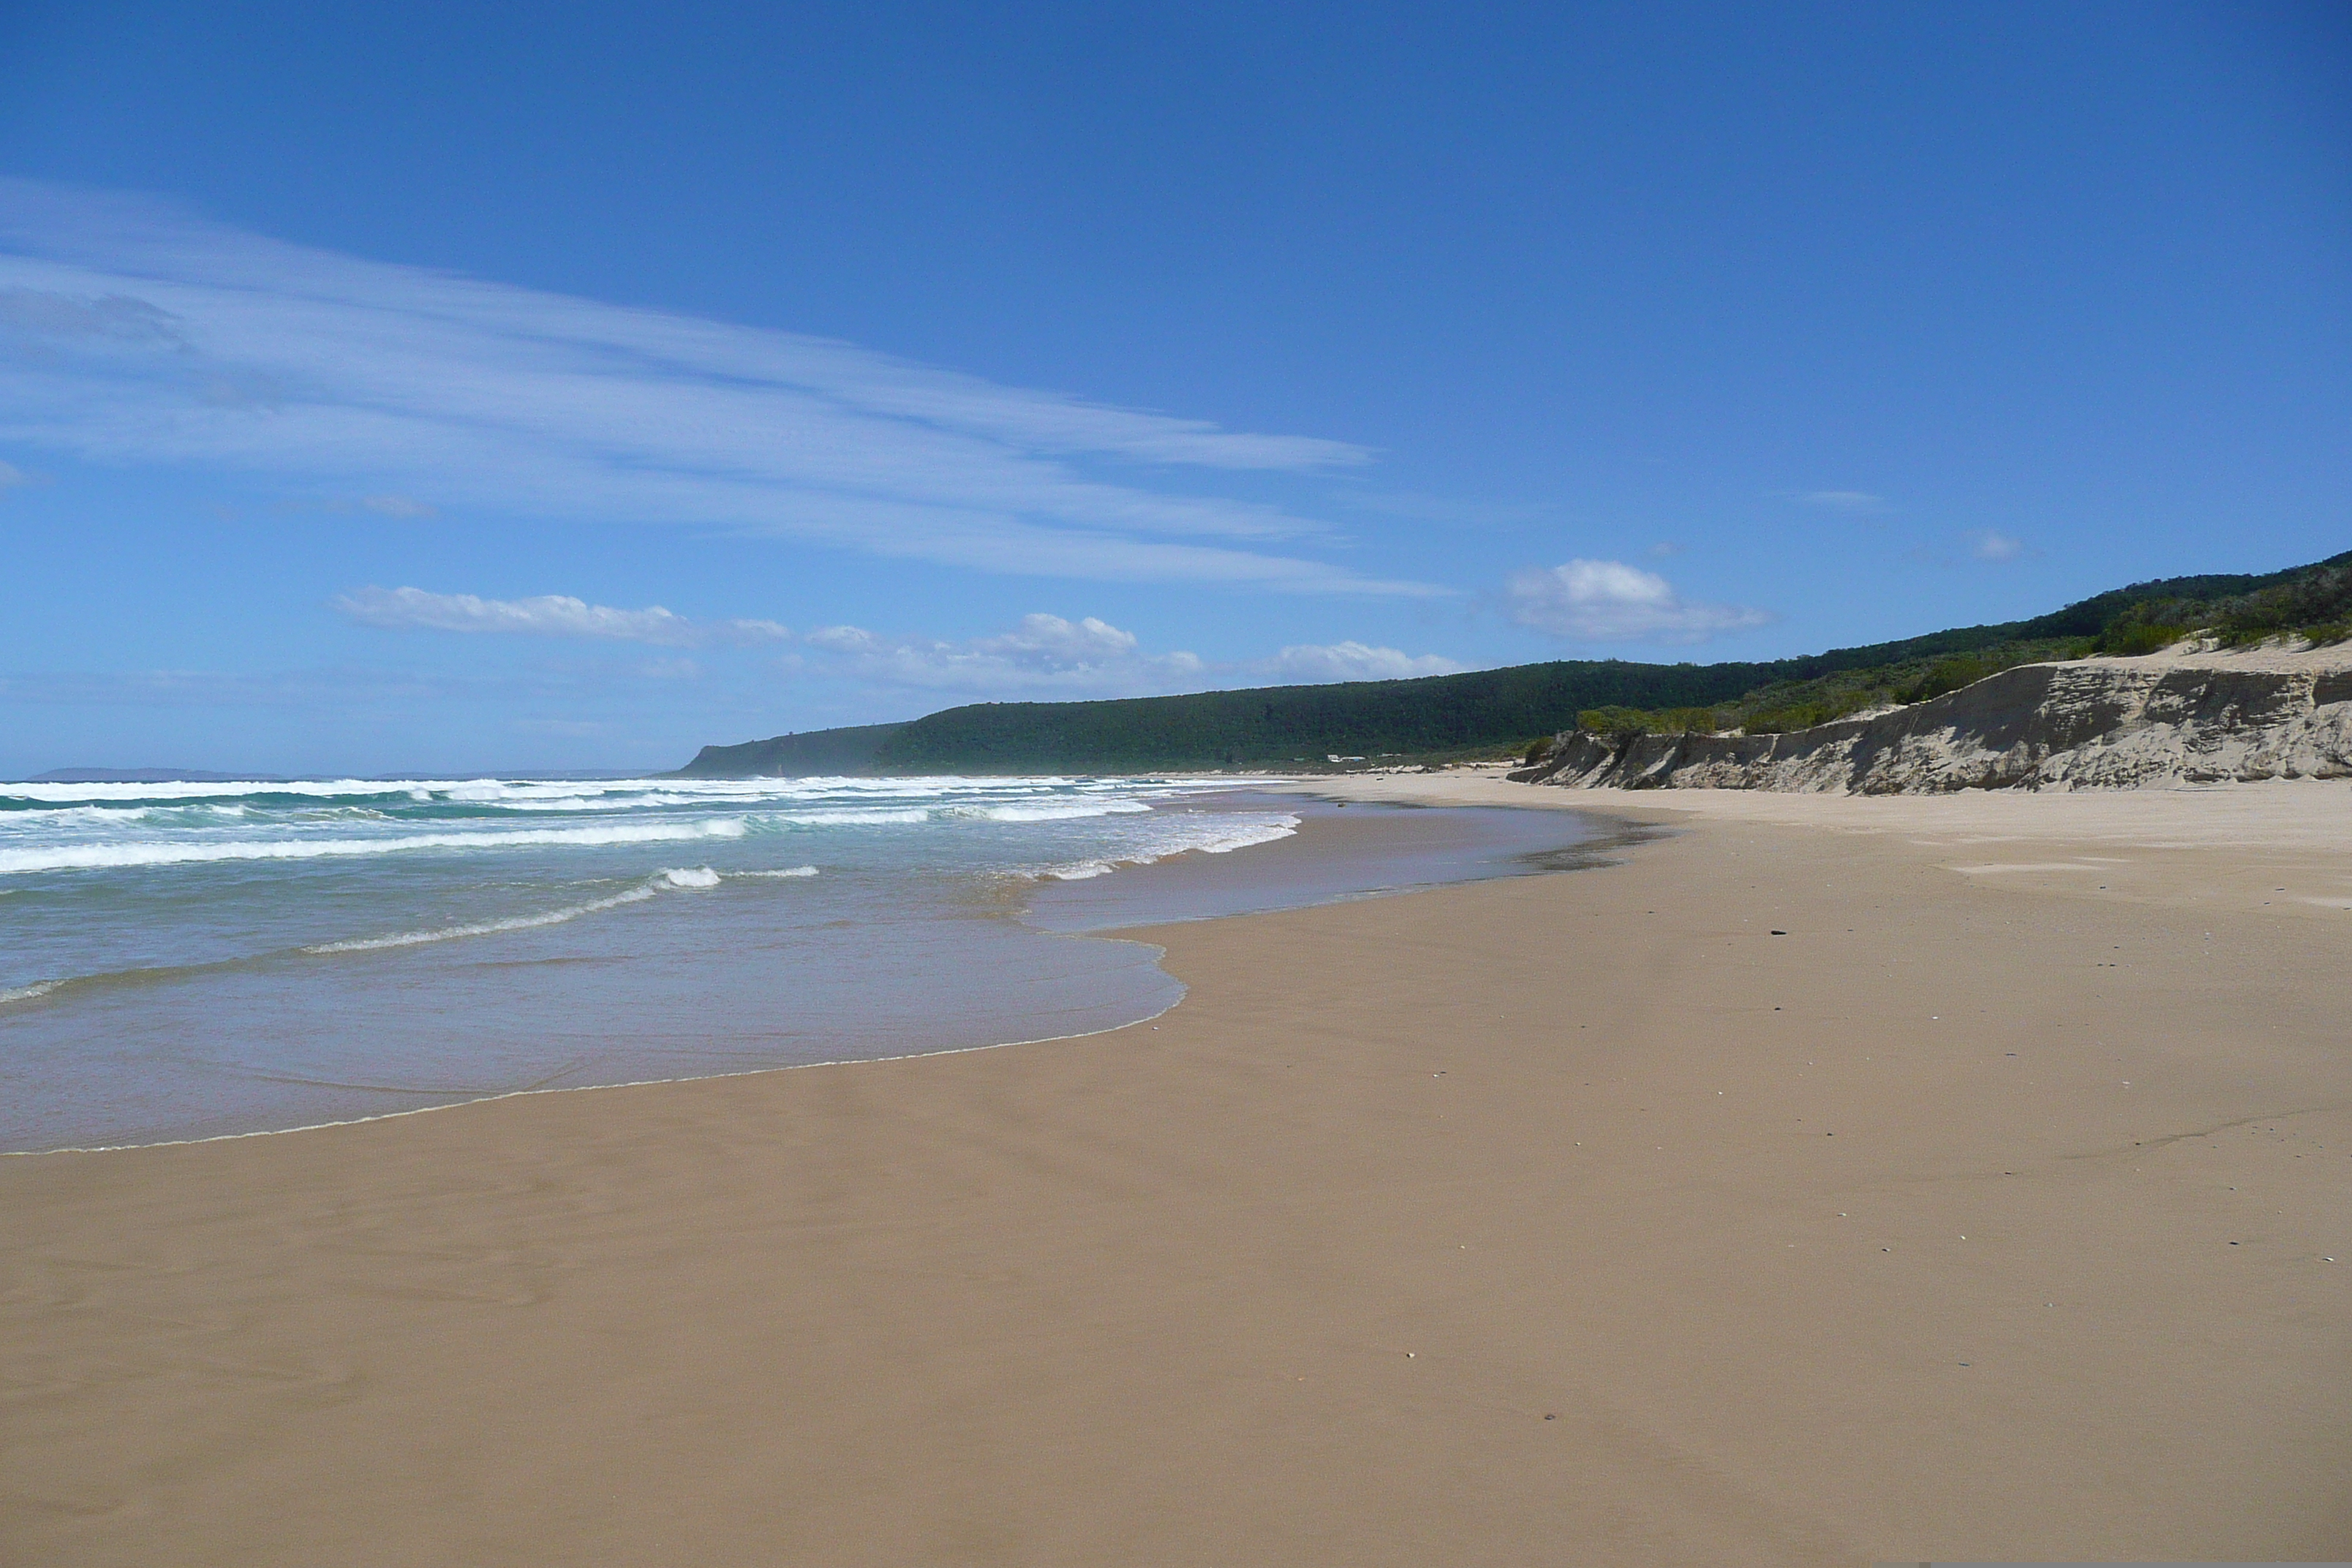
(1780,933)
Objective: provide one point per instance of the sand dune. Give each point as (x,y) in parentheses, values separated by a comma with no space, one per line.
(2186,716)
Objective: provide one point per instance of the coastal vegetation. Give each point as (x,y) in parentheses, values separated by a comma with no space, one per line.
(1513,712)
(1784,705)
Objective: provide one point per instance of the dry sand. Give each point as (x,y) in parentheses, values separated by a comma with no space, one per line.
(1986,1212)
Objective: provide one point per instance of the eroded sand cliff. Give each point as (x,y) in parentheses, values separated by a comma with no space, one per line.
(2186,716)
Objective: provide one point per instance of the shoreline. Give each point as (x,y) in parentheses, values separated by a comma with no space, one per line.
(1297,1271)
(1155,892)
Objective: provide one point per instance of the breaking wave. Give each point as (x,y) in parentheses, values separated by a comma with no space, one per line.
(673,879)
(660,883)
(1227,835)
(1049,810)
(95,856)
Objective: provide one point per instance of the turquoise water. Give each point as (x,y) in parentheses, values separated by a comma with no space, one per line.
(188,960)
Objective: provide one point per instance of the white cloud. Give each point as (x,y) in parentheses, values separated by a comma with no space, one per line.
(1988,545)
(1048,657)
(1049,642)
(1844,501)
(1312,663)
(1608,601)
(547,614)
(1043,654)
(162,340)
(1044,657)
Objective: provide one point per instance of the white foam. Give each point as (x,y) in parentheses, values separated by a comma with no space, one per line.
(1203,834)
(660,881)
(175,814)
(601,801)
(27,993)
(1050,810)
(792,871)
(100,856)
(485,928)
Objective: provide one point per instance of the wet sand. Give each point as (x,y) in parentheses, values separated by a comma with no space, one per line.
(1996,1209)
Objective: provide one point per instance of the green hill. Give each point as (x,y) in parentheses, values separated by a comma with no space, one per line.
(836,753)
(1489,711)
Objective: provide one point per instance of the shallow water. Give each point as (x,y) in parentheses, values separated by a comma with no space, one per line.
(191,959)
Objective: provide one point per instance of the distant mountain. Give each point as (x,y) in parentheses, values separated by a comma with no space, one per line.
(816,753)
(149,775)
(1487,712)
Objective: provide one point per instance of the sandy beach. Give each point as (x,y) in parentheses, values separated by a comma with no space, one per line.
(1823,1180)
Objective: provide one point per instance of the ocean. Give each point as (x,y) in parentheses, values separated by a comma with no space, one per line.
(193,959)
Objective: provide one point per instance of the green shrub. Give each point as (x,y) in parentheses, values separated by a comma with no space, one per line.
(1795,716)
(2130,639)
(1613,720)
(2320,598)
(1624,721)
(1946,675)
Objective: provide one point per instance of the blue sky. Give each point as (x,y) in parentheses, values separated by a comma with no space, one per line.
(456,387)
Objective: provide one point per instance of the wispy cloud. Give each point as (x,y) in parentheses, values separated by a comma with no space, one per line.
(547,614)
(1044,654)
(346,689)
(338,689)
(1047,656)
(1988,545)
(1608,601)
(11,476)
(1843,500)
(1312,663)
(398,506)
(151,337)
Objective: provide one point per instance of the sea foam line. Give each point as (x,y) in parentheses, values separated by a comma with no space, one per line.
(103,857)
(674,877)
(1219,843)
(1057,810)
(686,878)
